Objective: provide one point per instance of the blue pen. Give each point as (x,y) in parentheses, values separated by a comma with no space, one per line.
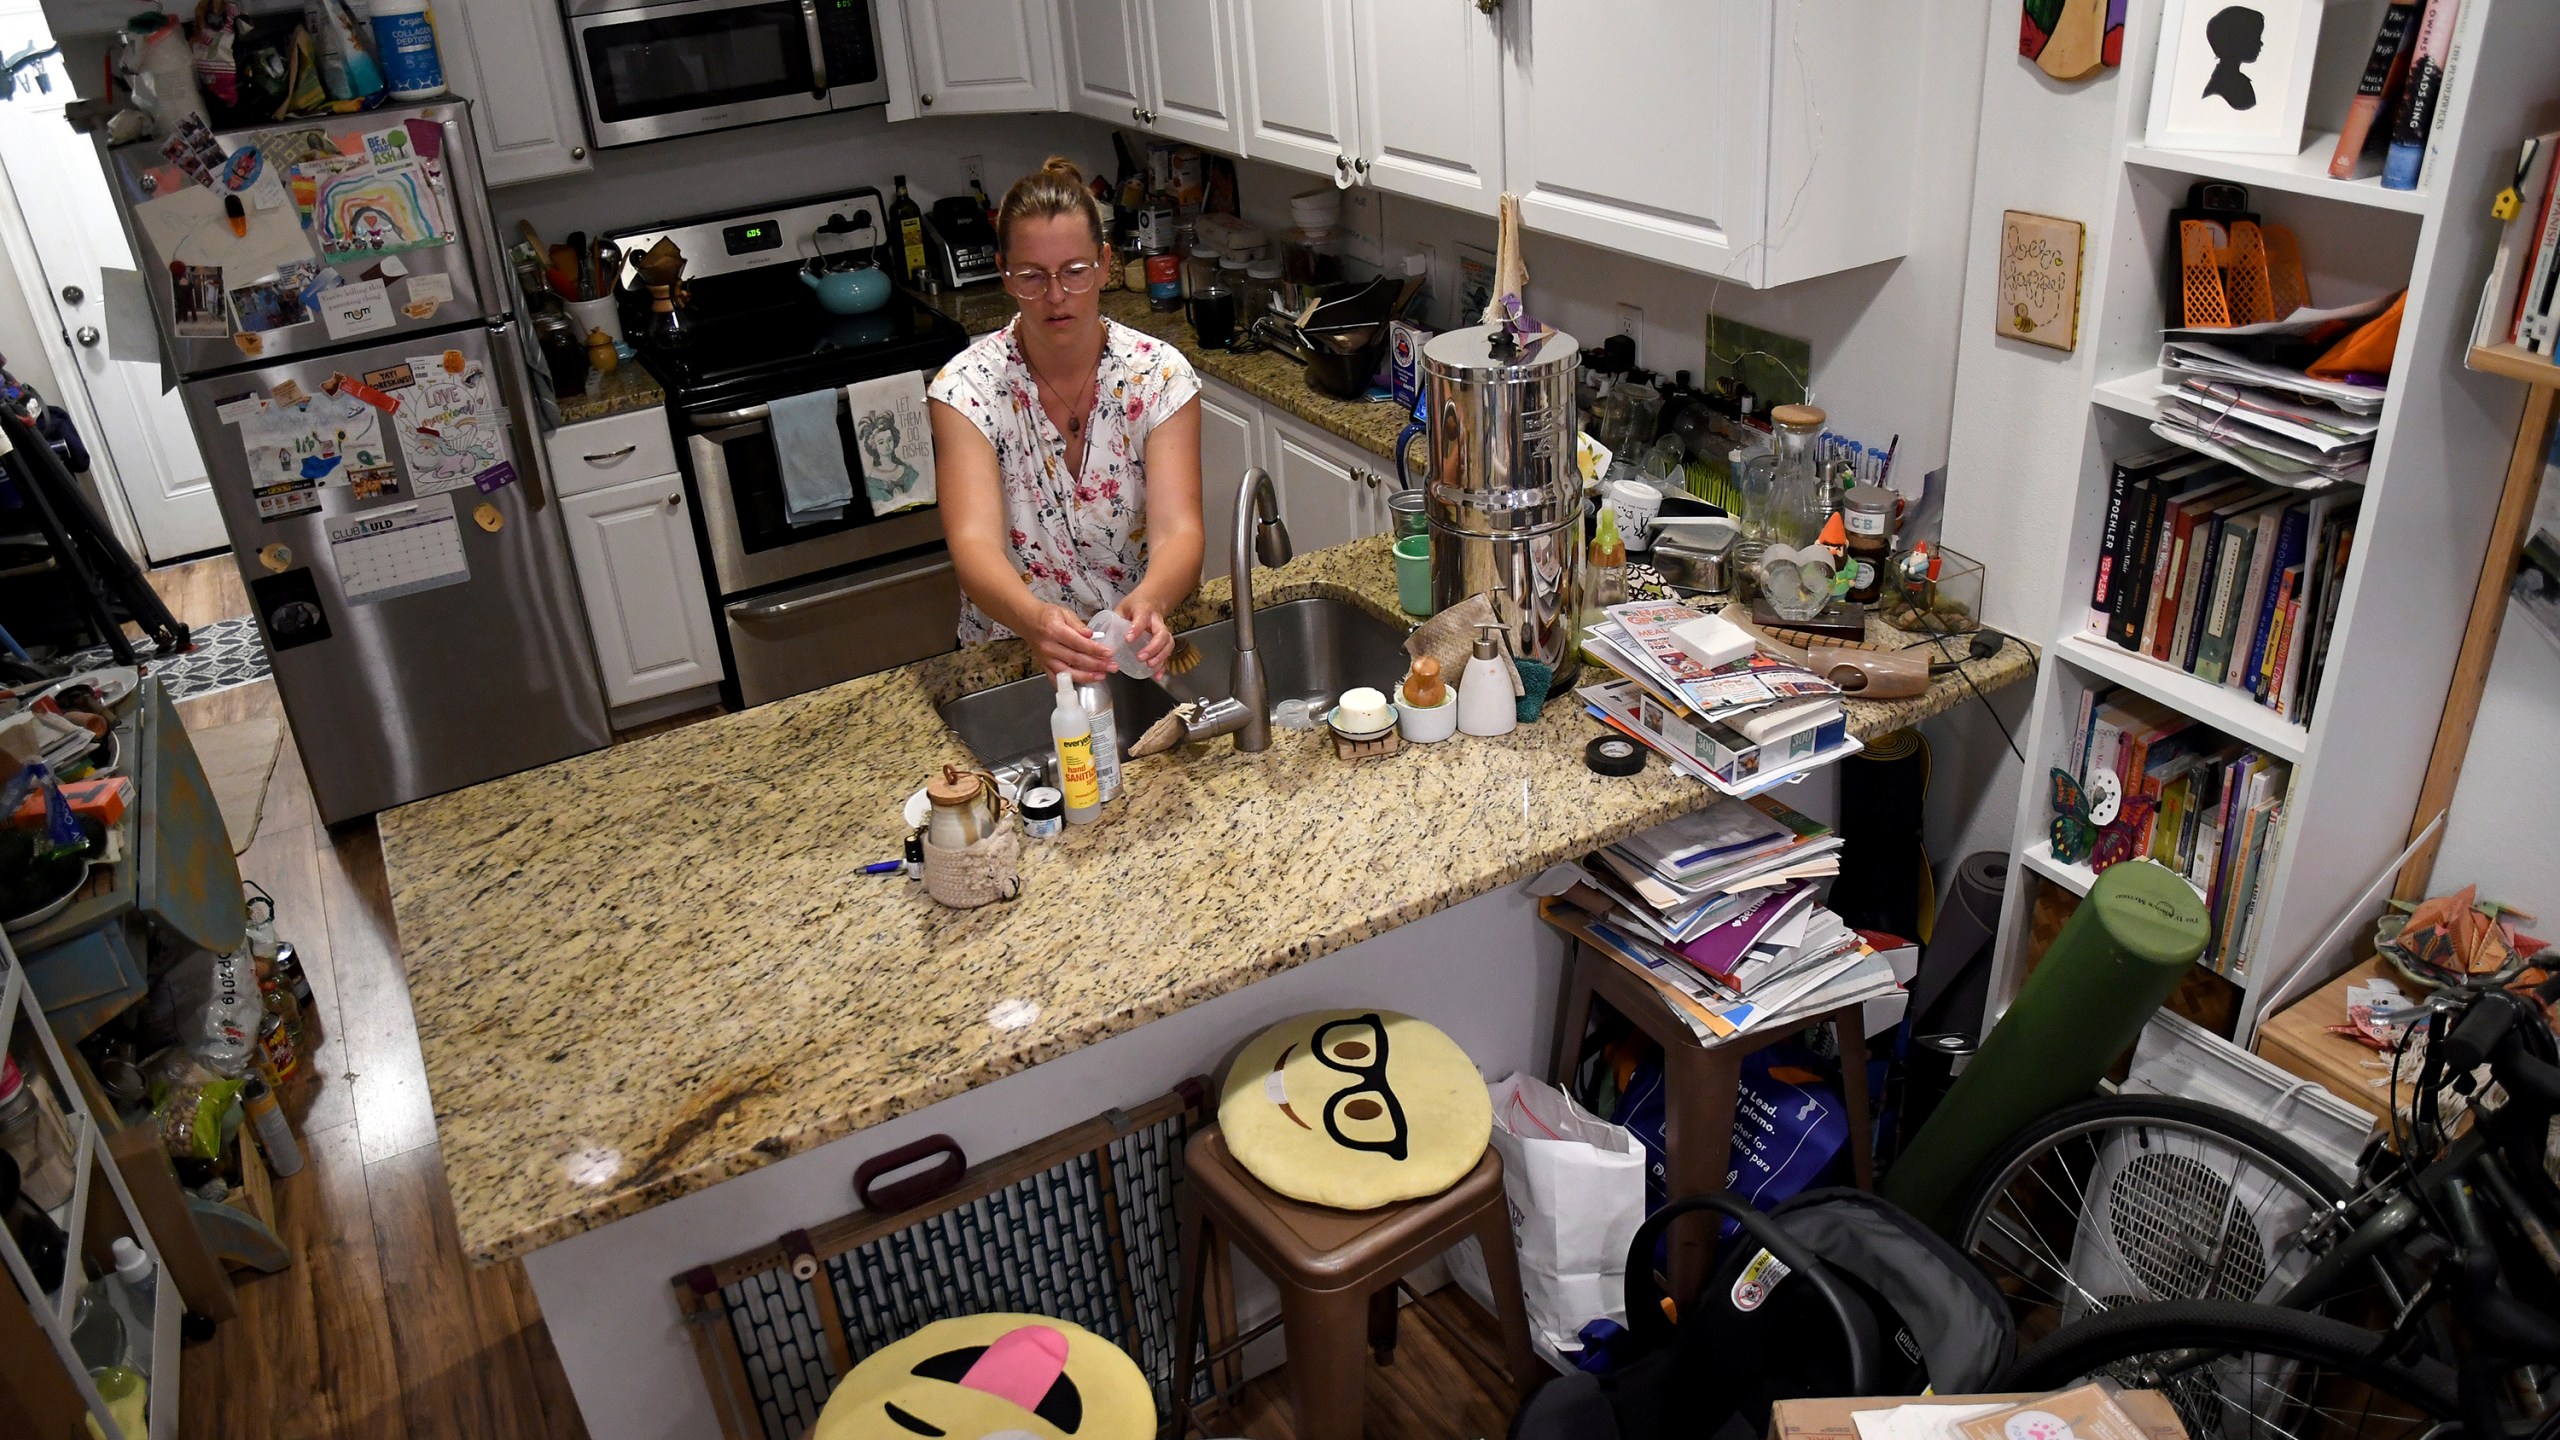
(884,867)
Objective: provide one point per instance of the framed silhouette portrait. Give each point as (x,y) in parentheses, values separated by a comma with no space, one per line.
(2233,75)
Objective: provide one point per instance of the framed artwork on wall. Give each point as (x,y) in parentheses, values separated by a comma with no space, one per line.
(2072,39)
(2040,279)
(2233,75)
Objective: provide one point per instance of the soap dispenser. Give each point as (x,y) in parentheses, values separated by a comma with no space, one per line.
(1485,702)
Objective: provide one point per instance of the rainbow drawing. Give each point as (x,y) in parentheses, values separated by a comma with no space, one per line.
(373,210)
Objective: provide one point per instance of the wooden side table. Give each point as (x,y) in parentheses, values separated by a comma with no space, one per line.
(1700,1084)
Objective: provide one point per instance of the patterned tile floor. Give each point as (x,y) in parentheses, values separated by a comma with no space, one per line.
(227,653)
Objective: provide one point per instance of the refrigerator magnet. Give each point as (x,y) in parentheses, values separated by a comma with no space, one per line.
(239,408)
(348,385)
(278,557)
(497,477)
(374,482)
(289,608)
(391,377)
(251,343)
(199,312)
(287,391)
(488,517)
(357,309)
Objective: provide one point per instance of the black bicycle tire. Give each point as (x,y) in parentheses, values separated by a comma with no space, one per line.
(1994,1177)
(2080,1348)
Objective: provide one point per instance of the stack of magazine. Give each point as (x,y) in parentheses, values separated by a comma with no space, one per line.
(1741,727)
(1720,911)
(2270,420)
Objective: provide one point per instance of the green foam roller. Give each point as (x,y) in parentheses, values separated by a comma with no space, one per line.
(2118,957)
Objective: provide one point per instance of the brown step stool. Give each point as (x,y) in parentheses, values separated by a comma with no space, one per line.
(1337,1272)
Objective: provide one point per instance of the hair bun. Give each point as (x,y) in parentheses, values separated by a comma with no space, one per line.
(1064,168)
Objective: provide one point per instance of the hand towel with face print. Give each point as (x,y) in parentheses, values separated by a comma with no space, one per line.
(810,450)
(894,437)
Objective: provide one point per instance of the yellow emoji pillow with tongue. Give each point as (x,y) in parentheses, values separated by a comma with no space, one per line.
(993,1377)
(1355,1109)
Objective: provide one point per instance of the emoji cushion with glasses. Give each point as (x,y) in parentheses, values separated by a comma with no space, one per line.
(992,1377)
(1355,1109)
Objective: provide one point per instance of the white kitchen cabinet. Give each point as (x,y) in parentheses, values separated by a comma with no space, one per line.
(511,60)
(976,57)
(641,579)
(1162,65)
(1326,494)
(1299,84)
(1106,77)
(1230,444)
(1762,142)
(1429,74)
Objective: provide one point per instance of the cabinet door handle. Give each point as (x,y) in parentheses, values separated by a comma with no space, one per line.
(676,500)
(610,456)
(1341,164)
(1138,113)
(1360,168)
(577,152)
(925,99)
(1488,7)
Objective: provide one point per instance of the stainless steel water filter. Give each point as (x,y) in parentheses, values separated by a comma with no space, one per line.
(1503,498)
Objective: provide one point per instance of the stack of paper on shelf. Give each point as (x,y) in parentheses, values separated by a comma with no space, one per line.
(2269,420)
(1721,913)
(1740,726)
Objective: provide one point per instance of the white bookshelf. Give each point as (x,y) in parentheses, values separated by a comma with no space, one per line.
(21,1016)
(2429,493)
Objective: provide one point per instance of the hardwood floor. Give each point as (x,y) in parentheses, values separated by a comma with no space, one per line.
(380,1329)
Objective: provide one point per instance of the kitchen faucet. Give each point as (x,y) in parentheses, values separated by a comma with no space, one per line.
(1246,712)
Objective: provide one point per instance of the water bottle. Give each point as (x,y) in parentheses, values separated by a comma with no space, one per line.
(136,1296)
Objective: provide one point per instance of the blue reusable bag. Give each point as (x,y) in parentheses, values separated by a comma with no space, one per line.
(1787,1132)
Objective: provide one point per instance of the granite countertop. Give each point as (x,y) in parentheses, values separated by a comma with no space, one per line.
(1266,375)
(641,971)
(630,387)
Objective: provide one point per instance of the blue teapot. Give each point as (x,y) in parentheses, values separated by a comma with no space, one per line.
(857,291)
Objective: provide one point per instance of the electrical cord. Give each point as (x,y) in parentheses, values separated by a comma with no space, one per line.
(1976,650)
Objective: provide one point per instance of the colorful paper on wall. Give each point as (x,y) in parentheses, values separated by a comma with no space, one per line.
(377,208)
(448,424)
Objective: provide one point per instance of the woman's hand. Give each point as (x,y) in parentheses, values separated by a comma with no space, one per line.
(1063,645)
(1148,631)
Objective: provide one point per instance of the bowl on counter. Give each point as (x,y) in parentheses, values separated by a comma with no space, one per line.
(1428,725)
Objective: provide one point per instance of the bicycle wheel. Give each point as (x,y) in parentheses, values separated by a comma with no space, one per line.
(2129,1199)
(2236,1371)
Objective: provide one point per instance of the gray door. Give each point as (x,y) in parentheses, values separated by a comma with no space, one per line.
(240,300)
(417,648)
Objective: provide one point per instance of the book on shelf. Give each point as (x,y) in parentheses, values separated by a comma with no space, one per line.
(2516,303)
(2366,132)
(2432,58)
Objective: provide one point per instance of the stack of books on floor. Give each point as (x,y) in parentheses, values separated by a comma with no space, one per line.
(2231,580)
(2215,813)
(1720,912)
(2266,419)
(1698,689)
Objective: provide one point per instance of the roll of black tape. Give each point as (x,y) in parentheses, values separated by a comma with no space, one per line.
(1613,755)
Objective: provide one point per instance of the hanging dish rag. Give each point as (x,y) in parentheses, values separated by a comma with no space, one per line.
(894,437)
(810,451)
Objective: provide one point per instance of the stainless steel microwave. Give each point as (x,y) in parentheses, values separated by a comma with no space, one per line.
(648,69)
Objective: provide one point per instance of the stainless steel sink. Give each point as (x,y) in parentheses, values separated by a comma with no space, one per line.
(1313,650)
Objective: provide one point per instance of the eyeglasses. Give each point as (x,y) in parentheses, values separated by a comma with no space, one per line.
(1376,1119)
(1076,278)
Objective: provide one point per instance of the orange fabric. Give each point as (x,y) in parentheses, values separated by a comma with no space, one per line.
(2367,349)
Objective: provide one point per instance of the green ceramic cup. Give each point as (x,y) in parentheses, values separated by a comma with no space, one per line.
(1413,574)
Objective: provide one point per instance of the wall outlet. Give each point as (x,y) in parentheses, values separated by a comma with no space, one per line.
(1631,323)
(973,170)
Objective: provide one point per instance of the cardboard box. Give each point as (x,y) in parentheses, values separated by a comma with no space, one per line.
(1829,1419)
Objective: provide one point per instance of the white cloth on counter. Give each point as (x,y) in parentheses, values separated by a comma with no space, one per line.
(894,438)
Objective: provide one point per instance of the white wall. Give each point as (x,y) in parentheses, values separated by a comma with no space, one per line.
(2498,835)
(707,174)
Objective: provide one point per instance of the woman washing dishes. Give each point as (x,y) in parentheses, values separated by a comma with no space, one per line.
(1068,449)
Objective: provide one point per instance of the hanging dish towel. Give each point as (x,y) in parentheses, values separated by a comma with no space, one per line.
(810,450)
(895,440)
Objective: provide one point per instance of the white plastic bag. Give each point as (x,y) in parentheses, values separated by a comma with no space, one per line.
(1575,1184)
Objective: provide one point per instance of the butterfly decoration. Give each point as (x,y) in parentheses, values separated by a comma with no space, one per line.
(2096,821)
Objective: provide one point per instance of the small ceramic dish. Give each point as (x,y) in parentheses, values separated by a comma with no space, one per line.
(1333,721)
(1429,725)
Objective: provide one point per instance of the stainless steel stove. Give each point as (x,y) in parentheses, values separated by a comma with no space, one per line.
(800,605)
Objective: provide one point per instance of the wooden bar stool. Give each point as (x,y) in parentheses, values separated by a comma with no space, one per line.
(1337,1272)
(1699,1087)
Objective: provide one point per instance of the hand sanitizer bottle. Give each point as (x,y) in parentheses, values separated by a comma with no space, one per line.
(1072,729)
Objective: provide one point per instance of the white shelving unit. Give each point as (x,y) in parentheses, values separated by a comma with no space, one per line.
(2428,496)
(53,1310)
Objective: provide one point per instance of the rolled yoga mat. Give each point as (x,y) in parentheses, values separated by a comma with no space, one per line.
(2118,957)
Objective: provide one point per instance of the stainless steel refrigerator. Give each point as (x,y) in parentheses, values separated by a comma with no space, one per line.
(359,388)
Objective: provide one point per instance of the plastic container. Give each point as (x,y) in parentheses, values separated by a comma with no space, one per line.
(1310,255)
(1095,696)
(45,1166)
(404,41)
(1072,732)
(275,1133)
(1316,209)
(1044,812)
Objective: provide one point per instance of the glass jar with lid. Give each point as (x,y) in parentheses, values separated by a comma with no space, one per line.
(1799,492)
(965,808)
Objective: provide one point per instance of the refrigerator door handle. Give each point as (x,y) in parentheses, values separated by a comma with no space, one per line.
(489,273)
(515,389)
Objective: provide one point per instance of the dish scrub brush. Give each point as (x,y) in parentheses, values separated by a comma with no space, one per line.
(1165,734)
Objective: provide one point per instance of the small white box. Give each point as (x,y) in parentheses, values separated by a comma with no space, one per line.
(1714,641)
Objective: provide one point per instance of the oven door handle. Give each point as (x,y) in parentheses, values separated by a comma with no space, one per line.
(776,609)
(817,50)
(728,419)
